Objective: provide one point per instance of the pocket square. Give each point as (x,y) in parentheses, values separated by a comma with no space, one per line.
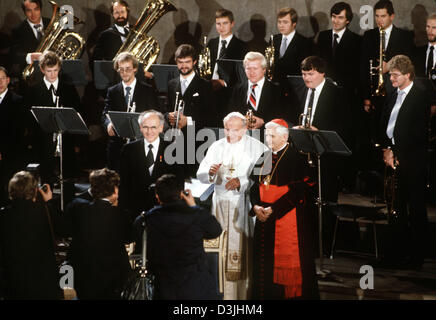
(195,94)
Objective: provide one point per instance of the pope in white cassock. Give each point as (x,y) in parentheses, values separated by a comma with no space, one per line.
(228,164)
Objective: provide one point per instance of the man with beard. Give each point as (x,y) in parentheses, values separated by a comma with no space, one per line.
(197,96)
(110,40)
(425,56)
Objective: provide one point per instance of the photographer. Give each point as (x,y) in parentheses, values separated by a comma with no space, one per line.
(175,232)
(27,256)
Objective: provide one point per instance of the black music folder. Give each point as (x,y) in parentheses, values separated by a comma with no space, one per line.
(72,72)
(231,70)
(318,142)
(163,73)
(59,120)
(429,86)
(125,124)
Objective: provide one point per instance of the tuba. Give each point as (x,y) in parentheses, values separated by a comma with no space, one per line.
(66,44)
(269,56)
(380,90)
(204,68)
(145,48)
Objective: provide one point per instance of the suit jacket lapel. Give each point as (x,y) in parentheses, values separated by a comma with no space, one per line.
(158,163)
(141,158)
(120,90)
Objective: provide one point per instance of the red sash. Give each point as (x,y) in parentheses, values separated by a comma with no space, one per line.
(287,269)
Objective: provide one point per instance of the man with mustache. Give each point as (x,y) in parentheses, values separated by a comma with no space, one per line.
(110,40)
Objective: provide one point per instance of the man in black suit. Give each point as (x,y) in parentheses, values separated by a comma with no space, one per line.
(142,163)
(290,47)
(341,48)
(226,46)
(327,113)
(175,232)
(110,40)
(425,56)
(125,96)
(13,134)
(27,36)
(397,41)
(404,126)
(99,231)
(52,91)
(257,94)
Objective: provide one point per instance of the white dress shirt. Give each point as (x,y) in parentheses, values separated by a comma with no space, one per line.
(388,32)
(188,82)
(155,149)
(2,95)
(132,90)
(289,38)
(340,34)
(257,91)
(318,90)
(215,70)
(121,30)
(55,85)
(395,111)
(428,52)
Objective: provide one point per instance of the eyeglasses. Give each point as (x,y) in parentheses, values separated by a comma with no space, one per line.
(395,75)
(125,70)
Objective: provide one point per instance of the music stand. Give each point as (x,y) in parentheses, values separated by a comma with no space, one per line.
(233,71)
(60,121)
(163,73)
(125,124)
(318,143)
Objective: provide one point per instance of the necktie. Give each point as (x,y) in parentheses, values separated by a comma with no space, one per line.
(283,46)
(335,43)
(38,31)
(430,61)
(383,36)
(394,114)
(183,86)
(126,31)
(253,96)
(149,159)
(53,93)
(310,105)
(223,49)
(127,96)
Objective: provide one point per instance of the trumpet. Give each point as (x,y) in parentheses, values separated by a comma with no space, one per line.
(305,122)
(249,116)
(176,102)
(380,90)
(131,108)
(179,111)
(269,56)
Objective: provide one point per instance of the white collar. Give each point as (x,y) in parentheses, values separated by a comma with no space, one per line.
(121,29)
(260,83)
(431,45)
(155,144)
(406,89)
(48,83)
(289,37)
(132,85)
(2,95)
(188,78)
(340,33)
(318,89)
(228,39)
(34,24)
(284,146)
(388,30)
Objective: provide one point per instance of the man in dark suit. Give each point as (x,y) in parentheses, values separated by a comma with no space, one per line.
(179,226)
(142,163)
(99,231)
(226,46)
(13,134)
(425,56)
(27,35)
(257,94)
(404,126)
(110,40)
(130,95)
(341,48)
(52,91)
(397,41)
(327,113)
(290,47)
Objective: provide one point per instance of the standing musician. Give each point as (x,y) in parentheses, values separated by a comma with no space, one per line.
(404,126)
(257,94)
(124,96)
(53,91)
(27,35)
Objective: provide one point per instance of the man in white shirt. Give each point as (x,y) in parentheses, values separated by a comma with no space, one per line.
(227,164)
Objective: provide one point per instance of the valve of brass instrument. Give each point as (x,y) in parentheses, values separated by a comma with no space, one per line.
(251,121)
